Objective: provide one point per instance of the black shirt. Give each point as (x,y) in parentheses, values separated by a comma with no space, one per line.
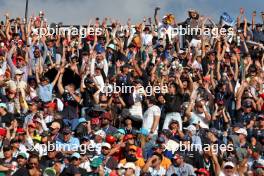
(22,172)
(88,97)
(6,119)
(173,102)
(72,170)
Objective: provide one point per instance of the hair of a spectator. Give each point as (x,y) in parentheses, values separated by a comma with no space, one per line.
(158,155)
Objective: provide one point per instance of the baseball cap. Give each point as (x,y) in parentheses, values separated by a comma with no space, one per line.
(157,146)
(133,147)
(19,72)
(82,120)
(100,133)
(51,105)
(202,171)
(229,163)
(112,46)
(76,155)
(66,130)
(247,104)
(242,131)
(55,125)
(178,155)
(110,139)
(3,105)
(106,115)
(22,154)
(128,136)
(213,131)
(107,145)
(2,131)
(20,130)
(121,131)
(130,165)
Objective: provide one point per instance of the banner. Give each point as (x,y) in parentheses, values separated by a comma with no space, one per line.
(226,19)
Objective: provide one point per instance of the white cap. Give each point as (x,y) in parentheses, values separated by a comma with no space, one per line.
(3,105)
(105,144)
(100,133)
(19,72)
(130,165)
(112,46)
(242,131)
(229,163)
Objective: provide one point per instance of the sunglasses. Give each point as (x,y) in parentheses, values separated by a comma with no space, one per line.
(105,148)
(66,133)
(228,167)
(133,151)
(33,164)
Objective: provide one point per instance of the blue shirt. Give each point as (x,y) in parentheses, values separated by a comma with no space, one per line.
(45,92)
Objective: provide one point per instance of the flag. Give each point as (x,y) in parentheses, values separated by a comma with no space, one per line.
(226,19)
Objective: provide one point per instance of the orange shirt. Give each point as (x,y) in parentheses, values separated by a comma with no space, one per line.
(166,162)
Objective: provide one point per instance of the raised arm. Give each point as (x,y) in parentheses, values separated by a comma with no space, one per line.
(156,16)
(9,59)
(57,76)
(254,14)
(60,86)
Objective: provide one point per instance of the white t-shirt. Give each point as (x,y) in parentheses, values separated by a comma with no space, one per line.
(222,174)
(148,117)
(155,172)
(199,119)
(147,39)
(161,31)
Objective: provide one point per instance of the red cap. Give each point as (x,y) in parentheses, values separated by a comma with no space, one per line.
(110,139)
(95,121)
(33,125)
(2,131)
(128,136)
(20,130)
(203,171)
(106,115)
(51,105)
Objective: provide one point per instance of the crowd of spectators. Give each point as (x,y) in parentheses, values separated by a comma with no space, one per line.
(208,120)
